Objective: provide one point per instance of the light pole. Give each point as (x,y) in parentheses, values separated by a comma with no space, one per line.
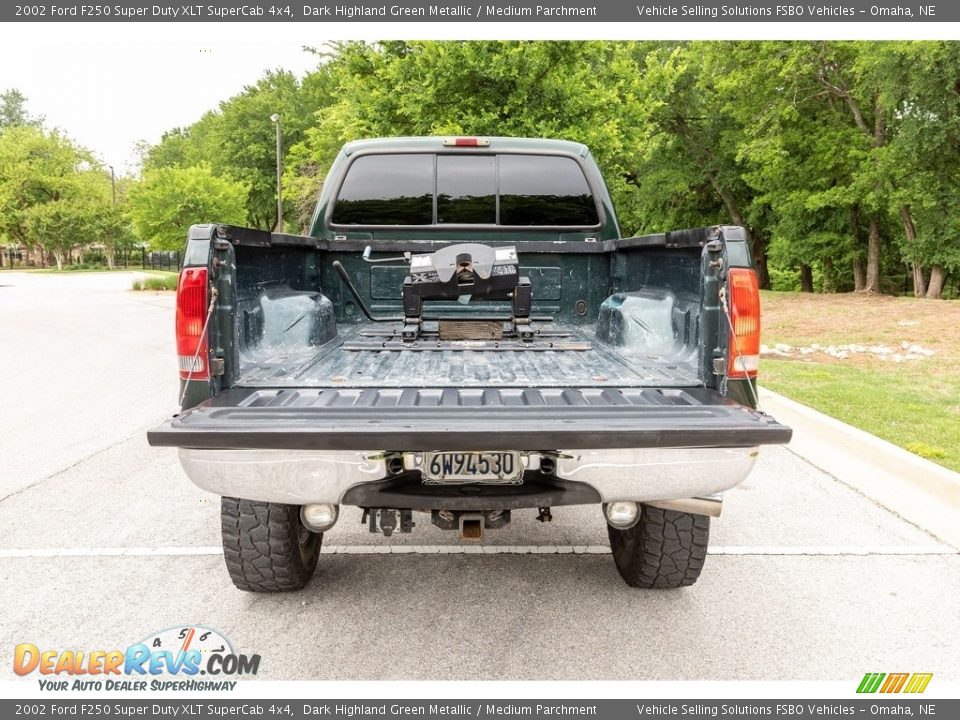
(113,185)
(276,121)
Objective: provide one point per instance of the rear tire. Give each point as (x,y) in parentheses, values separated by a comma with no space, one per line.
(266,546)
(664,550)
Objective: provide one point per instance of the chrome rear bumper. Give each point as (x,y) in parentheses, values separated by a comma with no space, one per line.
(675,478)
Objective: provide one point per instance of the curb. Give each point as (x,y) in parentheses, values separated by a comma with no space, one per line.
(919,491)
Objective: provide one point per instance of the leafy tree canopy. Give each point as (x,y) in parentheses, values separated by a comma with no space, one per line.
(169,200)
(843,157)
(13,111)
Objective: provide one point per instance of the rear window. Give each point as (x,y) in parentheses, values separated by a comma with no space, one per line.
(543,190)
(466,189)
(427,189)
(387,190)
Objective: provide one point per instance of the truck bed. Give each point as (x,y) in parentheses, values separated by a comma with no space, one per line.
(339,363)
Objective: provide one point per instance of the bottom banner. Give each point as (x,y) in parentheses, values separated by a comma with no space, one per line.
(428,709)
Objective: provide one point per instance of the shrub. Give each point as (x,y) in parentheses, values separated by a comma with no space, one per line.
(158,282)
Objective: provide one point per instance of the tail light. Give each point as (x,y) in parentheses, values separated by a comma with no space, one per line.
(744,342)
(191,317)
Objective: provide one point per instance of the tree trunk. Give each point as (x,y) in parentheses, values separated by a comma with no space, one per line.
(758,246)
(58,256)
(108,253)
(828,275)
(873,257)
(758,242)
(856,231)
(806,279)
(938,278)
(919,283)
(729,201)
(859,276)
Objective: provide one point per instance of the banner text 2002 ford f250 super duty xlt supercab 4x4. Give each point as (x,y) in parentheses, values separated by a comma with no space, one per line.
(465,334)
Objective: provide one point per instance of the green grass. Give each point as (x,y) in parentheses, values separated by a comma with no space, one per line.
(914,405)
(161,273)
(166,281)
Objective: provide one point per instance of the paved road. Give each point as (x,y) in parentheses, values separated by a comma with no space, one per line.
(808,579)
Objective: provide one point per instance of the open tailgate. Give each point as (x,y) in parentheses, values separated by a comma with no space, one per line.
(468,419)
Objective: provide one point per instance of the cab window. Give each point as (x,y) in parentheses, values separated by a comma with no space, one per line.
(476,189)
(387,190)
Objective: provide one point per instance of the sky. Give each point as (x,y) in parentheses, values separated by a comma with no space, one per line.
(108,94)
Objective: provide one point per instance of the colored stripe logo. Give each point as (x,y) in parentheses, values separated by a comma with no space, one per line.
(894,682)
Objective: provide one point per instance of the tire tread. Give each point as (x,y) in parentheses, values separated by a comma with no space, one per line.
(261,546)
(666,549)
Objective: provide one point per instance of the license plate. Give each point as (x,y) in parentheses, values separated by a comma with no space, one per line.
(479,467)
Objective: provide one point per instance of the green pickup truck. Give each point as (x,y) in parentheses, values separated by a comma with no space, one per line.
(465,334)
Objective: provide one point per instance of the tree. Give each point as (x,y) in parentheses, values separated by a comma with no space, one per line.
(13,111)
(690,172)
(169,200)
(54,195)
(819,121)
(923,158)
(796,155)
(581,91)
(58,225)
(247,136)
(37,167)
(111,228)
(238,141)
(841,159)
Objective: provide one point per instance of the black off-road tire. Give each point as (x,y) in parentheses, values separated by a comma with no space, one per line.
(664,550)
(266,546)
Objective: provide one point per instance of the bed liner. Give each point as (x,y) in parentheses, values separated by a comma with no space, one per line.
(332,365)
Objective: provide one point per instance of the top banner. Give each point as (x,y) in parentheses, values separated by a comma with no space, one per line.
(336,11)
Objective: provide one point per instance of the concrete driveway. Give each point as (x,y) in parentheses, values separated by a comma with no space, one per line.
(103,540)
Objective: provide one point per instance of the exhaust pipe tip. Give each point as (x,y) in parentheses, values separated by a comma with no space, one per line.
(471,527)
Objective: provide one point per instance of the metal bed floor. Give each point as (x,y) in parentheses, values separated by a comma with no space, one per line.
(333,365)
